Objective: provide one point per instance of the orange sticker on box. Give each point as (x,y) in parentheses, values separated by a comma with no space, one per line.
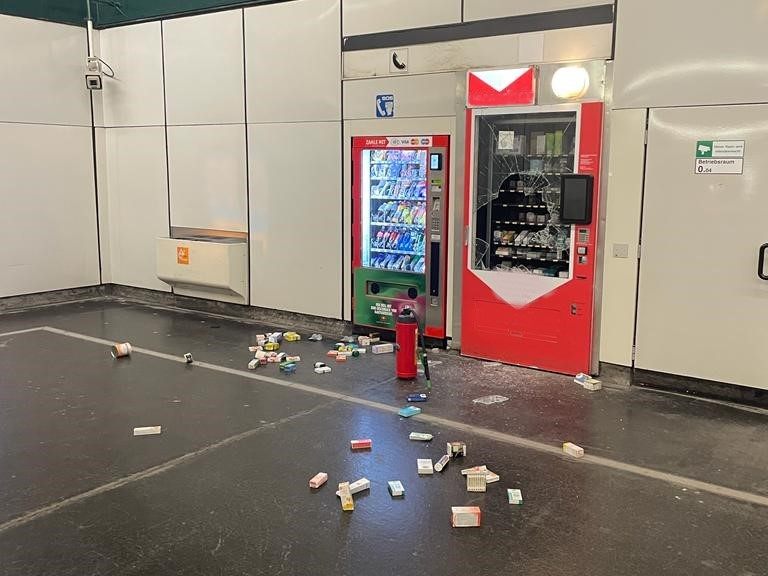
(182,255)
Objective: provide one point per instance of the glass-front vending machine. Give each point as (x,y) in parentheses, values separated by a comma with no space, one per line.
(531,216)
(400,194)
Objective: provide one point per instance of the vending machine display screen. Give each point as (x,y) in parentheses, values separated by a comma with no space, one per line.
(576,199)
(435,161)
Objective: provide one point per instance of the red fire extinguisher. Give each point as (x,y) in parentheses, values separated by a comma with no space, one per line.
(406,336)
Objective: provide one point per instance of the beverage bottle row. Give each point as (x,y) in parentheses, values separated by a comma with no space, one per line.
(397,170)
(399,262)
(404,156)
(394,239)
(416,189)
(402,213)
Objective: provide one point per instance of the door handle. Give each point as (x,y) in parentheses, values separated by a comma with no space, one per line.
(761,262)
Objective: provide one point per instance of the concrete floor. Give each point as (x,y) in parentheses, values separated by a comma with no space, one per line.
(670,484)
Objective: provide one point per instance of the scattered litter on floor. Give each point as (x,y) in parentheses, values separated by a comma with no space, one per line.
(396,489)
(465,516)
(318,480)
(587,382)
(347,502)
(291,337)
(420,436)
(491,477)
(121,350)
(253,364)
(514,496)
(361,444)
(417,398)
(147,430)
(442,463)
(409,411)
(488,400)
(573,450)
(348,339)
(385,348)
(424,466)
(456,449)
(357,486)
(491,364)
(316,338)
(188,358)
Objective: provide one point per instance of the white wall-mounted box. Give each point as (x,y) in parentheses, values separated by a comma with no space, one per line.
(216,270)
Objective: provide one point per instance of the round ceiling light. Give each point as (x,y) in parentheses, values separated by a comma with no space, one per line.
(570,82)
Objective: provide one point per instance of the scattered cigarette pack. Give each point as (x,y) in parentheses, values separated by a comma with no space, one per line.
(318,480)
(420,436)
(474,469)
(396,488)
(384,348)
(409,411)
(491,477)
(476,482)
(424,466)
(456,449)
(362,444)
(347,502)
(465,516)
(147,430)
(573,450)
(357,486)
(514,496)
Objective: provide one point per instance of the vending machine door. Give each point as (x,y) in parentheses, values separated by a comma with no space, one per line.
(400,195)
(528,280)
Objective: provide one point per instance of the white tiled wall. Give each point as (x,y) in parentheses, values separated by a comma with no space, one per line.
(296,217)
(204,69)
(368,16)
(208,176)
(293,70)
(137,206)
(135,96)
(43,73)
(48,237)
(48,232)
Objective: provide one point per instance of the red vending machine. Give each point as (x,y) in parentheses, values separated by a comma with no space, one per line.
(400,195)
(531,216)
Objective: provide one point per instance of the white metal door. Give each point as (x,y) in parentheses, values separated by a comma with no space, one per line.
(703,309)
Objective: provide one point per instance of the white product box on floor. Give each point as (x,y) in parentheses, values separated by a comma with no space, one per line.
(357,486)
(465,516)
(147,430)
(442,463)
(476,482)
(396,488)
(318,480)
(491,477)
(514,496)
(573,450)
(474,469)
(424,466)
(420,436)
(385,348)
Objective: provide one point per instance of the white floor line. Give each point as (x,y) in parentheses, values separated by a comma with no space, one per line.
(25,331)
(149,472)
(509,439)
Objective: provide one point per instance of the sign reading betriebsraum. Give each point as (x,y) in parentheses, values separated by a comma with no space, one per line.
(719,157)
